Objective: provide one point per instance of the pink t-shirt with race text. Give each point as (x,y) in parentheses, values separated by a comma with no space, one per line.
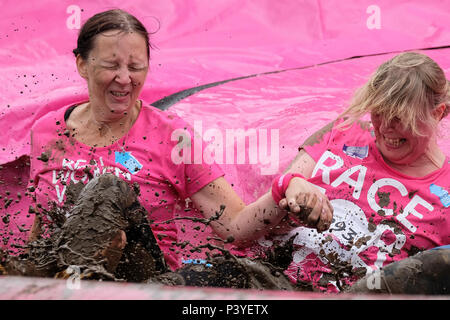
(380,215)
(148,155)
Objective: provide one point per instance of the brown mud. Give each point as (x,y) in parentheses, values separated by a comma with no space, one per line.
(91,238)
(91,235)
(426,273)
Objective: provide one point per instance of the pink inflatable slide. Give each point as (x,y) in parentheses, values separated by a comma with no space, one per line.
(281,69)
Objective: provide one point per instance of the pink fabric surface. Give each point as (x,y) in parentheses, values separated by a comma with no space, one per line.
(197,42)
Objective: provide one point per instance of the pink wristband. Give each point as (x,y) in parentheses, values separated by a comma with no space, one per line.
(280,185)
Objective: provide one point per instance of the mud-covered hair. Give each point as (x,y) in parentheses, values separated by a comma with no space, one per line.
(408,87)
(115,19)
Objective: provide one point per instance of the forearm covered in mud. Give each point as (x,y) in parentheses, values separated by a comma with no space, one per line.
(244,223)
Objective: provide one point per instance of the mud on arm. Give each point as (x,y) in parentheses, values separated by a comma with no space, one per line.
(243,223)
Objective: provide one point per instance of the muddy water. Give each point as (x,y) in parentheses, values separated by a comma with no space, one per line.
(91,237)
(427,272)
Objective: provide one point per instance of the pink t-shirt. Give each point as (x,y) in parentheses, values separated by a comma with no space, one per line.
(149,155)
(380,215)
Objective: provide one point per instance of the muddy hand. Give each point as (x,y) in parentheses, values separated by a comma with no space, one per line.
(307,205)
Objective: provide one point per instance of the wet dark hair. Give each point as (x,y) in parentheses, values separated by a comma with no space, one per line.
(115,19)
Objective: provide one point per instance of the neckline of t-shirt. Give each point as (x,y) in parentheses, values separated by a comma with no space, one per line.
(121,143)
(398,173)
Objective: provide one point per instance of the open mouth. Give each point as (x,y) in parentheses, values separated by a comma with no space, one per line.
(395,143)
(119,94)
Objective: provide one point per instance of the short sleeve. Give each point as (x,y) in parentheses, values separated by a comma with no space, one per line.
(197,173)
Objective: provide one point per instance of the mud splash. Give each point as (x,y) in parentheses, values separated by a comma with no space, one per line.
(90,236)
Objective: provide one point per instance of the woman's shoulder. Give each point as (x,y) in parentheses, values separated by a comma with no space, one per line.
(346,125)
(55,118)
(446,170)
(357,132)
(339,131)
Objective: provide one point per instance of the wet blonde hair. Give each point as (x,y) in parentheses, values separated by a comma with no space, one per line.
(408,87)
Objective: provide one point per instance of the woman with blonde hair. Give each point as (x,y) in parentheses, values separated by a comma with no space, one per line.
(387,179)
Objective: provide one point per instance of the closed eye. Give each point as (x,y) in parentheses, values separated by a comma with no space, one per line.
(136,68)
(110,66)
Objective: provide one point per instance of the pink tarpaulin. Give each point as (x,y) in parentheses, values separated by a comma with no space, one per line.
(295,65)
(198,42)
